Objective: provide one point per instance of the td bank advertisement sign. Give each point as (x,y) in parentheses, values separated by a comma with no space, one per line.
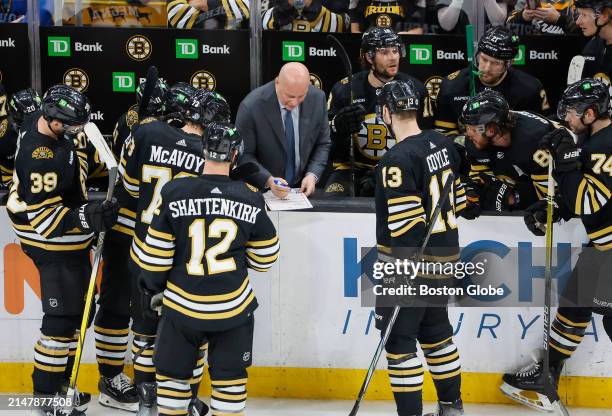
(107,64)
(429,58)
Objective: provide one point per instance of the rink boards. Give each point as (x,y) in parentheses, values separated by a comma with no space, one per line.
(312,334)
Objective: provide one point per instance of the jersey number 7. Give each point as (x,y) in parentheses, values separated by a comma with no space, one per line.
(162,175)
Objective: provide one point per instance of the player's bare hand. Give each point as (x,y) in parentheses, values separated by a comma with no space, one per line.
(547,14)
(201,5)
(279,187)
(308,184)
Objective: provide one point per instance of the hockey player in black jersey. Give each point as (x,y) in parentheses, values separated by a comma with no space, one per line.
(508,170)
(355,124)
(152,156)
(112,321)
(205,234)
(55,223)
(595,20)
(583,173)
(496,50)
(127,121)
(176,102)
(21,104)
(410,178)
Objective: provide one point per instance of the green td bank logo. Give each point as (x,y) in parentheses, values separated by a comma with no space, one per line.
(293,51)
(186,48)
(124,82)
(58,45)
(420,54)
(519,59)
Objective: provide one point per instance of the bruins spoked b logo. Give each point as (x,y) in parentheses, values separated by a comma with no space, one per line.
(315,80)
(203,79)
(138,47)
(383,20)
(77,79)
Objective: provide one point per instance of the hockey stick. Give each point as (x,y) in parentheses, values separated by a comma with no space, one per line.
(106,156)
(385,336)
(151,80)
(348,70)
(469,37)
(549,385)
(576,66)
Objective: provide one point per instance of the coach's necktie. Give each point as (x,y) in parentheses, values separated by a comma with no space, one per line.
(290,142)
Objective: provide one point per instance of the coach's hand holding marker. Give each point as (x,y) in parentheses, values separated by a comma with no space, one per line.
(279,187)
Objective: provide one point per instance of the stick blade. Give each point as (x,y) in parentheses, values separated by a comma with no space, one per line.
(150,81)
(574,72)
(97,140)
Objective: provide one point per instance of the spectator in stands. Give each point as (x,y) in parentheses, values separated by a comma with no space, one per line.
(403,16)
(15,11)
(452,15)
(549,17)
(286,132)
(304,16)
(208,14)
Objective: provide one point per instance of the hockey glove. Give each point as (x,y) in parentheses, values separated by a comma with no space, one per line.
(98,216)
(495,195)
(472,208)
(535,217)
(367,184)
(348,120)
(563,149)
(283,14)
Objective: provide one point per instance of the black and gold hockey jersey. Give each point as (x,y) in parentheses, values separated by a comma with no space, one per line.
(122,130)
(126,221)
(97,172)
(221,14)
(373,140)
(410,178)
(322,20)
(207,232)
(48,189)
(522,91)
(8,142)
(522,164)
(8,147)
(598,61)
(152,156)
(587,193)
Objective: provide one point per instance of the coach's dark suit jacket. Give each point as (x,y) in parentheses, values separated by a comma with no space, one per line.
(260,124)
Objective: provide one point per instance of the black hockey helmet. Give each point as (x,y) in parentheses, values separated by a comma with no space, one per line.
(157,102)
(582,95)
(499,43)
(378,37)
(21,104)
(487,106)
(597,5)
(398,96)
(65,104)
(207,106)
(177,99)
(221,140)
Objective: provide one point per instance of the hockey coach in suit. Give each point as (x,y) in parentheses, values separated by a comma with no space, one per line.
(286,131)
